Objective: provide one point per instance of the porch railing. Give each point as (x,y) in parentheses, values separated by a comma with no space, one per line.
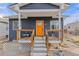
(52,37)
(55,36)
(25,32)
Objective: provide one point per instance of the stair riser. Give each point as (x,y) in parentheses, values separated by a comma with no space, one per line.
(38,49)
(39,54)
(39,42)
(39,38)
(39,45)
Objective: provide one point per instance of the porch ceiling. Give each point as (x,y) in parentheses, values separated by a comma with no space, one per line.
(39,13)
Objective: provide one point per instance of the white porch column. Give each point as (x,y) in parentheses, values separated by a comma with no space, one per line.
(60,23)
(19,21)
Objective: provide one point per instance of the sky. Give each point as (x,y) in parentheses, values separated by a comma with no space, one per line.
(74,8)
(5,10)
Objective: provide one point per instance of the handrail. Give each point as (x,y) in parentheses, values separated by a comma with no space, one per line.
(25,30)
(47,43)
(26,38)
(51,38)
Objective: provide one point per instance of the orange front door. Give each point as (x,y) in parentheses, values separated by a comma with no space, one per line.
(39,27)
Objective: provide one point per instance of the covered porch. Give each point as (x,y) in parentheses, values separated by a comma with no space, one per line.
(45,21)
(45,25)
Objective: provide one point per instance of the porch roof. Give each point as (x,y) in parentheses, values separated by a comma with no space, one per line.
(43,12)
(15,8)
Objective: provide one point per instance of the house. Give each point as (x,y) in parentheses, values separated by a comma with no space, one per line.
(73,27)
(3,28)
(72,31)
(37,22)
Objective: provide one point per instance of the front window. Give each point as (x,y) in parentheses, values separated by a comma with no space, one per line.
(54,24)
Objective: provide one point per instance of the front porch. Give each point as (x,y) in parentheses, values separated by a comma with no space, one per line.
(41,45)
(41,33)
(44,33)
(42,27)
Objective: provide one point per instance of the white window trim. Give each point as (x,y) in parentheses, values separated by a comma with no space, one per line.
(13,23)
(52,22)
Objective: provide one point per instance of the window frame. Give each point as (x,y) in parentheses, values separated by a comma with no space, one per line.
(54,22)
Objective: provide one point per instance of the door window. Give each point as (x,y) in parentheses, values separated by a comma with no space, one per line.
(40,23)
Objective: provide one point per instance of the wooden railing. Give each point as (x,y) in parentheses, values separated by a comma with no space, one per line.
(52,37)
(26,38)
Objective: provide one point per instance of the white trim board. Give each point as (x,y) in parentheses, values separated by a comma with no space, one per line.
(40,10)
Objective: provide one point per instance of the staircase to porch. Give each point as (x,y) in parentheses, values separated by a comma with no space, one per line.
(39,48)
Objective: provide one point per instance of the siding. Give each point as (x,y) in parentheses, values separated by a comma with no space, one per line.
(29,23)
(12,33)
(3,29)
